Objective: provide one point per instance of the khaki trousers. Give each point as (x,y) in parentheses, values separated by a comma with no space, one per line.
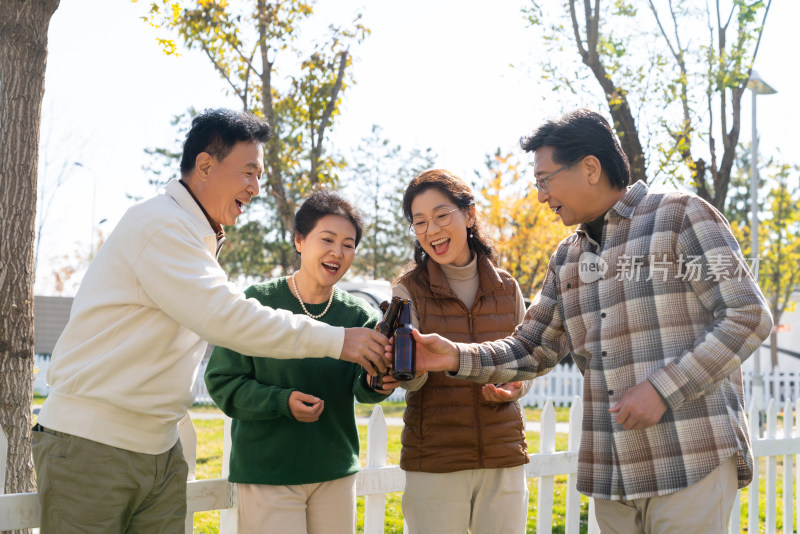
(319,508)
(702,508)
(87,487)
(481,501)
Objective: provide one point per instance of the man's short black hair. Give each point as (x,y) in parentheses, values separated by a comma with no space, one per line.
(216,131)
(578,134)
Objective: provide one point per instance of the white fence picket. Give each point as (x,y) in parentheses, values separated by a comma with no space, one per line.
(561,385)
(573,518)
(772,462)
(188,438)
(377,442)
(733,527)
(797,461)
(788,431)
(229,516)
(594,527)
(752,498)
(547,445)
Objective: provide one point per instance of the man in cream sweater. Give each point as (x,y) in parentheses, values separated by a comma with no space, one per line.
(106,444)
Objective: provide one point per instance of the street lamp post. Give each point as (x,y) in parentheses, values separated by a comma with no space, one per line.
(757,87)
(93,225)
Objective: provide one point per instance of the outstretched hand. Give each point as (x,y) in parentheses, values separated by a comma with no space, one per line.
(434,353)
(365,347)
(501,393)
(304,407)
(640,407)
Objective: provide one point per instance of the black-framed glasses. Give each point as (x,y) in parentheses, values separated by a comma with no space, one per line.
(419,225)
(541,183)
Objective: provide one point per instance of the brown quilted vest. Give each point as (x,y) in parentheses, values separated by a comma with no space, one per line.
(448,427)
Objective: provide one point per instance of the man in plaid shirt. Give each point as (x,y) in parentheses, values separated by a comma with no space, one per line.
(653,299)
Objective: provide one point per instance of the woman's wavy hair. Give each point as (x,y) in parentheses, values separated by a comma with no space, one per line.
(459,192)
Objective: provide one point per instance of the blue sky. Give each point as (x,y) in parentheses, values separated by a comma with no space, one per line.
(452,75)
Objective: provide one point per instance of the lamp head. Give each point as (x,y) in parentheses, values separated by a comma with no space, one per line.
(759,86)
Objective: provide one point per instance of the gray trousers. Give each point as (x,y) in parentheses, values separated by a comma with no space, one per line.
(87,487)
(702,508)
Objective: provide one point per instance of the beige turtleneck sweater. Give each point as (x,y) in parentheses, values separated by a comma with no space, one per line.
(464,283)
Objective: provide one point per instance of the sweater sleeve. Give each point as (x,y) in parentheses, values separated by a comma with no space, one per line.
(230,379)
(181,277)
(520,307)
(361,390)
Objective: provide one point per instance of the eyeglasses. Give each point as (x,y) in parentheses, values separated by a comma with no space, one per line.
(419,225)
(541,183)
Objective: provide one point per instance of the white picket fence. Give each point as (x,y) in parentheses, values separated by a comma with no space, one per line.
(561,385)
(564,382)
(373,482)
(377,478)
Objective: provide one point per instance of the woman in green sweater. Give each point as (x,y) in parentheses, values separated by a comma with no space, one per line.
(295,443)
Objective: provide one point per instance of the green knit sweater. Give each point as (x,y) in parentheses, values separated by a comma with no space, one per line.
(269,446)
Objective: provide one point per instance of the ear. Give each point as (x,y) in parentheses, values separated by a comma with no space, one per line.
(203,164)
(298,243)
(593,169)
(471,217)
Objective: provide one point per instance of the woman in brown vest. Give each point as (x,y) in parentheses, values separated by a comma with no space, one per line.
(464,445)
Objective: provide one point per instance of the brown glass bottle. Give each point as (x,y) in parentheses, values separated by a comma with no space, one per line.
(387,327)
(404,363)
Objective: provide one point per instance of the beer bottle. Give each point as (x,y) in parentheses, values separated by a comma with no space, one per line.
(404,363)
(386,327)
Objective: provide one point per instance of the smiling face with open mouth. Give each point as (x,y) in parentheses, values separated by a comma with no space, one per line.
(227,185)
(445,244)
(326,253)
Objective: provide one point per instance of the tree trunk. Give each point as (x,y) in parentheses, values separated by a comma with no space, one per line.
(325,120)
(773,350)
(274,180)
(23,56)
(623,121)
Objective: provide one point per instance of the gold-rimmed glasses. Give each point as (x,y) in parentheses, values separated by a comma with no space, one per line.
(419,224)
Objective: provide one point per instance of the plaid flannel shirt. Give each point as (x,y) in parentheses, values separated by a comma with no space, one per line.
(677,306)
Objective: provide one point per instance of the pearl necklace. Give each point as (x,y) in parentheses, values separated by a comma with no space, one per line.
(302,304)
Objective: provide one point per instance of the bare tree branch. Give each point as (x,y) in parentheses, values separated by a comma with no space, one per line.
(247,61)
(712,142)
(220,70)
(731,138)
(661,27)
(592,29)
(326,116)
(576,30)
(275,184)
(624,123)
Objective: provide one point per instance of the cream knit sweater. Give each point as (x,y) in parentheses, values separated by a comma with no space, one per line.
(123,369)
